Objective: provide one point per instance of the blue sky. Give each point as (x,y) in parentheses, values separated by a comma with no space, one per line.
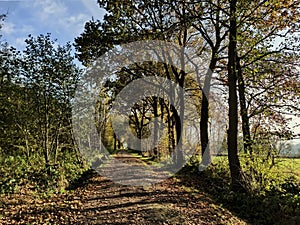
(63,19)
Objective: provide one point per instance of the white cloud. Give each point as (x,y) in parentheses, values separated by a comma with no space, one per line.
(65,20)
(8,28)
(76,19)
(27,29)
(20,42)
(93,8)
(48,10)
(74,24)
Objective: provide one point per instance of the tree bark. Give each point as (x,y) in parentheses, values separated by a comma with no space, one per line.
(247,142)
(205,150)
(155,135)
(234,162)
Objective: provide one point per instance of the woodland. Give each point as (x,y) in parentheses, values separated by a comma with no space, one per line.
(241,170)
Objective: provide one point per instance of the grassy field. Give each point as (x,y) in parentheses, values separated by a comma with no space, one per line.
(289,166)
(282,166)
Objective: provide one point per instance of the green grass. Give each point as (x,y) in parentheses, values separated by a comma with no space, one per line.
(18,172)
(283,166)
(274,194)
(288,166)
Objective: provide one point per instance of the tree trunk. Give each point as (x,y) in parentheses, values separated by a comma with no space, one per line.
(179,119)
(247,142)
(234,162)
(162,115)
(155,134)
(178,128)
(46,135)
(115,142)
(205,150)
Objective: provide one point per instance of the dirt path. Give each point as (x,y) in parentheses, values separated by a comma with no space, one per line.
(103,202)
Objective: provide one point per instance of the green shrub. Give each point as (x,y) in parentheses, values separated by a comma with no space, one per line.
(20,172)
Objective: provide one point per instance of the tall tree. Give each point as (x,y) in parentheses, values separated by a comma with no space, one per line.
(11,137)
(265,35)
(51,74)
(234,163)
